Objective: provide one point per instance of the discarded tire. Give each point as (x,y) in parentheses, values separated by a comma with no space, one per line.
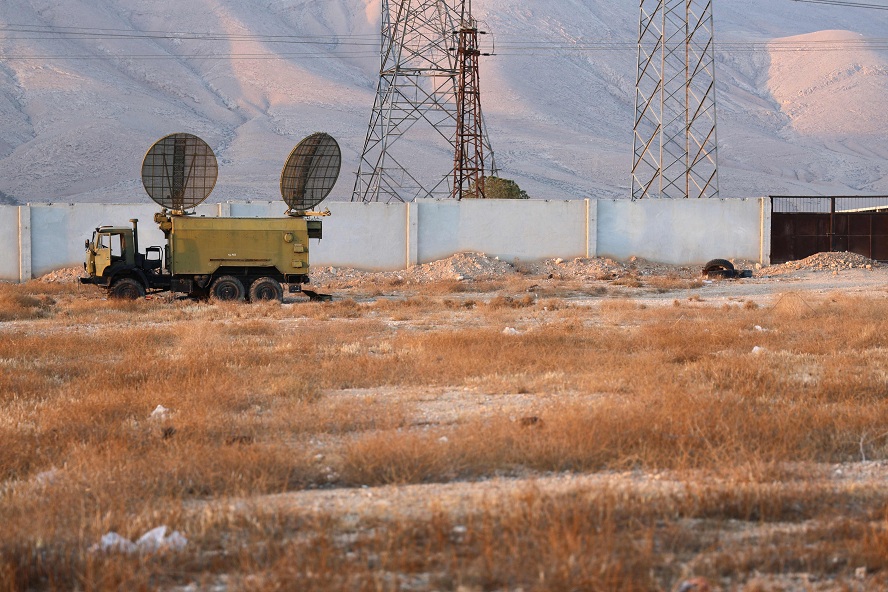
(718,265)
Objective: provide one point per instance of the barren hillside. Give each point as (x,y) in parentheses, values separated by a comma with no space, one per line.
(87,85)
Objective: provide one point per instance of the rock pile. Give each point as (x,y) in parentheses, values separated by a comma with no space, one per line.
(66,275)
(478,266)
(821,262)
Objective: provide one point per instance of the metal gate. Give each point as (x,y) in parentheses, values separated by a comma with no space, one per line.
(804,225)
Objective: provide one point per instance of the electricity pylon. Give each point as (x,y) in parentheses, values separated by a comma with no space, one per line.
(471,137)
(675,137)
(418,96)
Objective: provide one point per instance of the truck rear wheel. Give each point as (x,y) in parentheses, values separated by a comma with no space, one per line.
(127,289)
(227,287)
(266,288)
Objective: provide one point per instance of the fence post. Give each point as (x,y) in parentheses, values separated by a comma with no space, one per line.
(412,230)
(832,224)
(24,227)
(767,210)
(591,228)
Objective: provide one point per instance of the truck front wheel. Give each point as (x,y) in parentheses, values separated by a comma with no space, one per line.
(127,289)
(227,287)
(266,288)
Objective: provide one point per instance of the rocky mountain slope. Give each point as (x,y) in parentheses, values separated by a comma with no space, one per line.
(86,86)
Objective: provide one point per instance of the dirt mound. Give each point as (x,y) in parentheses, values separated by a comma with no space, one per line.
(479,266)
(461,266)
(821,262)
(66,275)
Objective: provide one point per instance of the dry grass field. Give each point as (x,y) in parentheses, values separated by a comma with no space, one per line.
(526,431)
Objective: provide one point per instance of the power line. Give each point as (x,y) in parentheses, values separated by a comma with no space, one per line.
(845,4)
(52,29)
(365,45)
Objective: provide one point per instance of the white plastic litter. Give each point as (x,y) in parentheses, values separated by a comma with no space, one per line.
(758,328)
(511,331)
(152,541)
(112,542)
(160,412)
(156,540)
(46,478)
(758,350)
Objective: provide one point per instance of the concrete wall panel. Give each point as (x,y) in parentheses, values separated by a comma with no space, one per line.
(9,243)
(512,230)
(369,236)
(680,231)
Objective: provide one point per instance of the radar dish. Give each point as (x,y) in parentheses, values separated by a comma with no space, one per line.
(179,171)
(310,172)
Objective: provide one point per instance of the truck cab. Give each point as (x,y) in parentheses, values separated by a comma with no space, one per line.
(113,261)
(108,247)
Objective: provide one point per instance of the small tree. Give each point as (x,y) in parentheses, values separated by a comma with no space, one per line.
(498,188)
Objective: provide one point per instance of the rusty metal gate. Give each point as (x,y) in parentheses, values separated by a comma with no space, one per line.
(804,225)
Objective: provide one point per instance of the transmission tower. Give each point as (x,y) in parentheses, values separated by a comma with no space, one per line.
(421,82)
(471,138)
(675,132)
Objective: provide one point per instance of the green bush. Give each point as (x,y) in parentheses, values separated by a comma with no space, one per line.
(498,188)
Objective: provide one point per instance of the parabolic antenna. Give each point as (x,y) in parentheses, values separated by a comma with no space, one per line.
(310,172)
(179,171)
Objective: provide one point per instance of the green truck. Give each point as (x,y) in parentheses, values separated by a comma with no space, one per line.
(218,258)
(215,258)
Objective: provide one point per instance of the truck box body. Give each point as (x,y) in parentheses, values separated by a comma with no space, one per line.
(199,245)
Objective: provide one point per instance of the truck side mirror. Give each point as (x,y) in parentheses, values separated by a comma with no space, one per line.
(86,244)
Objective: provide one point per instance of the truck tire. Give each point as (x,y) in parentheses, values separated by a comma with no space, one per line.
(227,287)
(127,289)
(266,288)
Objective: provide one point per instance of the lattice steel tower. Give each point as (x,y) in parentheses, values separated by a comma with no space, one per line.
(471,137)
(426,47)
(675,124)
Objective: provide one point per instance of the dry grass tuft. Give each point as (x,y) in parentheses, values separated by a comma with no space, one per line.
(671,283)
(20,302)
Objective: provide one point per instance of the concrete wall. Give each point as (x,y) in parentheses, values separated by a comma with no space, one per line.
(527,230)
(36,239)
(683,231)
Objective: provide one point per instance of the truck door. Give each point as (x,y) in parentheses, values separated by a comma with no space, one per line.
(103,253)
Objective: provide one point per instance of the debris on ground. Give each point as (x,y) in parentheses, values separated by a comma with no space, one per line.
(152,541)
(473,267)
(160,413)
(724,269)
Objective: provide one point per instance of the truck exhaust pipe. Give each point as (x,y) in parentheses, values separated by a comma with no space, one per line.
(135,223)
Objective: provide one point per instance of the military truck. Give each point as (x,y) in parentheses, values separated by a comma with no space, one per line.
(216,258)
